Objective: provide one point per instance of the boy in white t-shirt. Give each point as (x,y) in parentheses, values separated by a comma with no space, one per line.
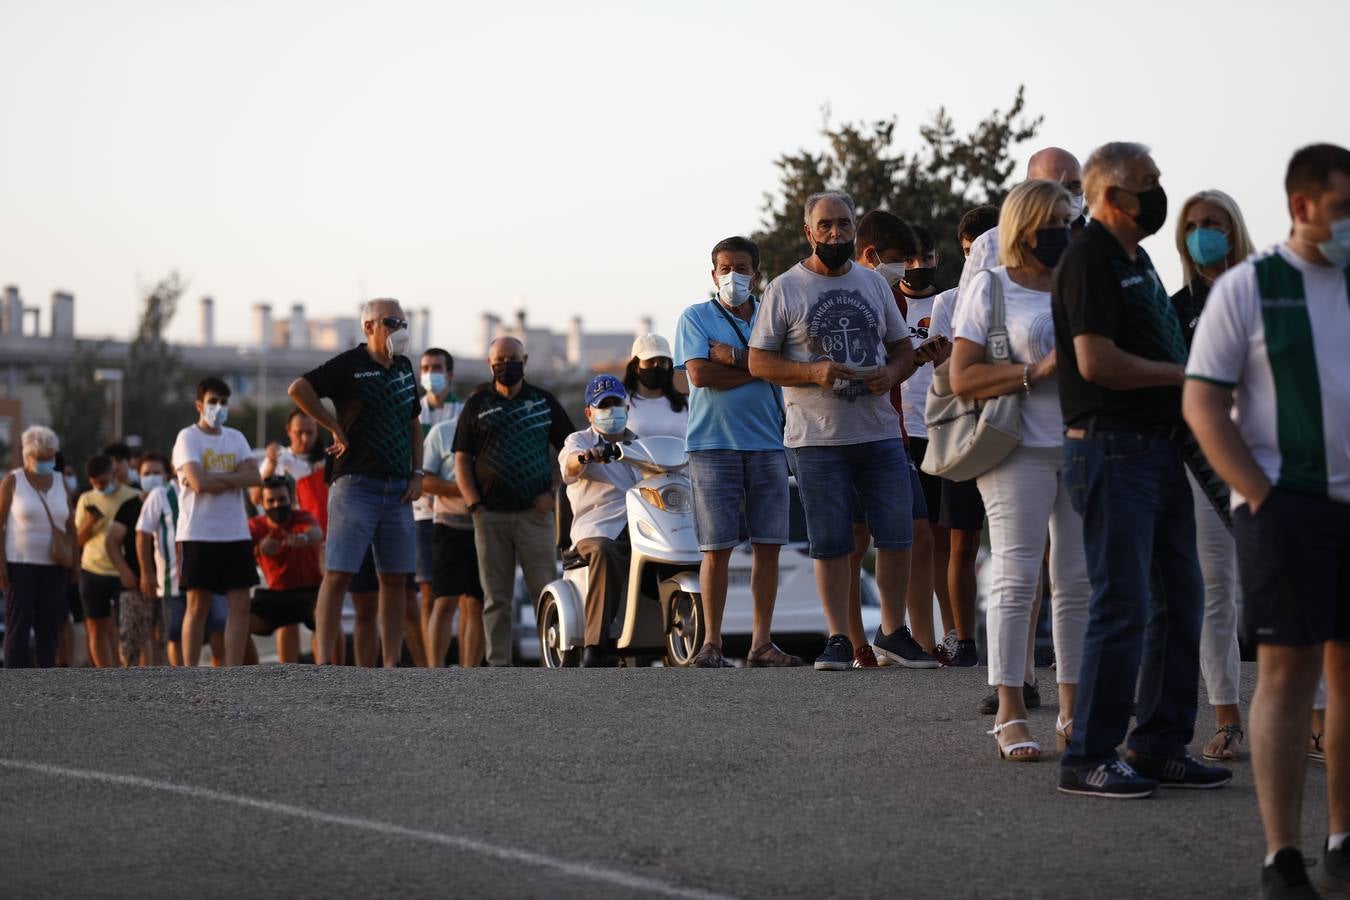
(1268,397)
(215,465)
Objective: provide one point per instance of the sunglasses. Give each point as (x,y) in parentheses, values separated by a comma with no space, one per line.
(394,323)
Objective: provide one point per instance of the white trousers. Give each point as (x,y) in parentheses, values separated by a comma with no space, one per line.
(1220,661)
(1023,496)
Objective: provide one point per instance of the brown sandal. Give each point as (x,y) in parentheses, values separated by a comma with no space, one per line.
(1316,752)
(1233,736)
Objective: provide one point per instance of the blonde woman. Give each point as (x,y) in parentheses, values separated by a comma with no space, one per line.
(1212,238)
(1024,495)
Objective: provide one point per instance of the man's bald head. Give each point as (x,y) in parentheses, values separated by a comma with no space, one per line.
(503,349)
(1056,164)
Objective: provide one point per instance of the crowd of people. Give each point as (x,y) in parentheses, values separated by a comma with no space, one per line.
(1171,460)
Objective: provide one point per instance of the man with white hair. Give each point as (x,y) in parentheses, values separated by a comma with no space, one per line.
(830,333)
(1122,358)
(374,469)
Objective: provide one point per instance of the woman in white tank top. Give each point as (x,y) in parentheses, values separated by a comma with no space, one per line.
(35,586)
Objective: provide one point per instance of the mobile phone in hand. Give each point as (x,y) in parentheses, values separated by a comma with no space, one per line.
(93,512)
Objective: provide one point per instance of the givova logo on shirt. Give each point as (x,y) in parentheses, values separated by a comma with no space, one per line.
(218,462)
(843,327)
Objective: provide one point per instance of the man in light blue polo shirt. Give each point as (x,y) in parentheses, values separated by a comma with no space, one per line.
(736,463)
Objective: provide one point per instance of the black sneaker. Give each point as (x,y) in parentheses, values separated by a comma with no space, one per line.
(899,647)
(1183,771)
(1114,780)
(838,655)
(966,656)
(1287,878)
(1336,870)
(596,658)
(1031,699)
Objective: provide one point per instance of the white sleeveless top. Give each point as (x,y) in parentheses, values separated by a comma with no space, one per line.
(28,533)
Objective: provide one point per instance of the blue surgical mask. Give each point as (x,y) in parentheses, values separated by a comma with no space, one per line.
(611,420)
(215,414)
(1337,250)
(109,489)
(434,382)
(72,483)
(1207,246)
(44,467)
(150,482)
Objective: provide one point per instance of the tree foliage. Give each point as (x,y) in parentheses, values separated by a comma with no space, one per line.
(79,408)
(157,395)
(933,186)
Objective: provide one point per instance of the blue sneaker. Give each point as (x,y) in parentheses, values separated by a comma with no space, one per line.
(1114,780)
(838,655)
(1179,772)
(900,648)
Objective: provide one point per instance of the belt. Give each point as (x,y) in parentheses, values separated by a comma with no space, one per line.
(1113,425)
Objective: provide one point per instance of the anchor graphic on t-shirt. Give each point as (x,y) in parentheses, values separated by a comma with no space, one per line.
(854,351)
(842,327)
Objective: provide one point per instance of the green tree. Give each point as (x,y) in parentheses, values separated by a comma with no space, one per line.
(157,395)
(79,406)
(931,186)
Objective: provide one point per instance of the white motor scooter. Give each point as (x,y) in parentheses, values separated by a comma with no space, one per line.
(662,614)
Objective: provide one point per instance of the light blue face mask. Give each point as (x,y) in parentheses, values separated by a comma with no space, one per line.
(44,467)
(434,382)
(611,420)
(1337,250)
(1207,246)
(109,489)
(215,414)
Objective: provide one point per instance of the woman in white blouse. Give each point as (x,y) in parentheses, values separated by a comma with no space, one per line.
(656,405)
(1024,494)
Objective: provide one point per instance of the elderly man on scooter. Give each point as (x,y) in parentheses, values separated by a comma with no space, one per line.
(596,492)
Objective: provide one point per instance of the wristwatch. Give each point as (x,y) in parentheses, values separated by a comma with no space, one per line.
(420,473)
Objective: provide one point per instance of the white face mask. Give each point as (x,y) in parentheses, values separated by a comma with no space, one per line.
(1076,204)
(215,414)
(150,482)
(892,272)
(398,342)
(733,289)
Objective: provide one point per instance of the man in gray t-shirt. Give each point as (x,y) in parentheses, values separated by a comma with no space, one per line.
(830,333)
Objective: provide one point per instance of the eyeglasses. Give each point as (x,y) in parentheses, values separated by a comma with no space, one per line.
(394,323)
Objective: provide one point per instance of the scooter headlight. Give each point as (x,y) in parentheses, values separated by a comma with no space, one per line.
(671,498)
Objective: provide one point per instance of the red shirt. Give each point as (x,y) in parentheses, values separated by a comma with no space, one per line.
(311,494)
(293,568)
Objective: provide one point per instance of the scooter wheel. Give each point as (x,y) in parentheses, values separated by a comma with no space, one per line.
(551,652)
(686,630)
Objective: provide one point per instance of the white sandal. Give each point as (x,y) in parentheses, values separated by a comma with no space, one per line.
(1007,752)
(1063,731)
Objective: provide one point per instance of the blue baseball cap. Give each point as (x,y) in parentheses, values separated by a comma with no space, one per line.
(603,386)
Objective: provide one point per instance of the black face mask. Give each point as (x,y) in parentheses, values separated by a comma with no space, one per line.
(655,378)
(919,279)
(1050,245)
(280,514)
(835,255)
(510,373)
(1152,213)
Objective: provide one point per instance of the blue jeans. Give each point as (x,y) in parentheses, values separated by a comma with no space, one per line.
(1147,596)
(739,495)
(875,475)
(365,511)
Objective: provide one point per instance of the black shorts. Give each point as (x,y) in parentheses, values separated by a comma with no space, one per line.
(98,594)
(217,566)
(1294,564)
(456,561)
(366,580)
(932,485)
(280,608)
(962,506)
(73,600)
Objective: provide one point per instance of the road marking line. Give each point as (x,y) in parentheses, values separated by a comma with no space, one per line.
(588,871)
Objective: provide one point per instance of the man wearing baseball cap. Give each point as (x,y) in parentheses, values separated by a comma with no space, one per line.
(596,490)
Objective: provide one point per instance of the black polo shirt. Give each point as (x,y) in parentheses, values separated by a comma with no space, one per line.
(374,405)
(1098,289)
(1189,302)
(509,439)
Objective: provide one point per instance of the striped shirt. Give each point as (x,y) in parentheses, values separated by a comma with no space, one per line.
(159,519)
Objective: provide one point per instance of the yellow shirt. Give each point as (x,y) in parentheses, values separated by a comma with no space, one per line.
(94,558)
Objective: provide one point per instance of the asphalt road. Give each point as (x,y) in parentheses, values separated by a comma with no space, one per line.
(578,783)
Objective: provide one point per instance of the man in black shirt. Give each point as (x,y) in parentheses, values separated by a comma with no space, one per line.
(374,469)
(507,475)
(1121,366)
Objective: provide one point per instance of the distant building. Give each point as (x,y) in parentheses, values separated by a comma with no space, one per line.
(573,352)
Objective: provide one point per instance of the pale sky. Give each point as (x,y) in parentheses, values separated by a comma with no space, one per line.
(570,158)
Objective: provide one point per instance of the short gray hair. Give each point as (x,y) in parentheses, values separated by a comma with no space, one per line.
(1108,166)
(842,197)
(37,438)
(370,308)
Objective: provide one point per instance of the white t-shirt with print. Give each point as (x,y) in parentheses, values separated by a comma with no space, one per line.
(652,416)
(923,324)
(211,517)
(1283,388)
(1031,336)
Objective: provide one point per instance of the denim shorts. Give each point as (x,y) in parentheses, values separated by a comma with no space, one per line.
(176,607)
(739,495)
(426,570)
(366,511)
(876,475)
(917,492)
